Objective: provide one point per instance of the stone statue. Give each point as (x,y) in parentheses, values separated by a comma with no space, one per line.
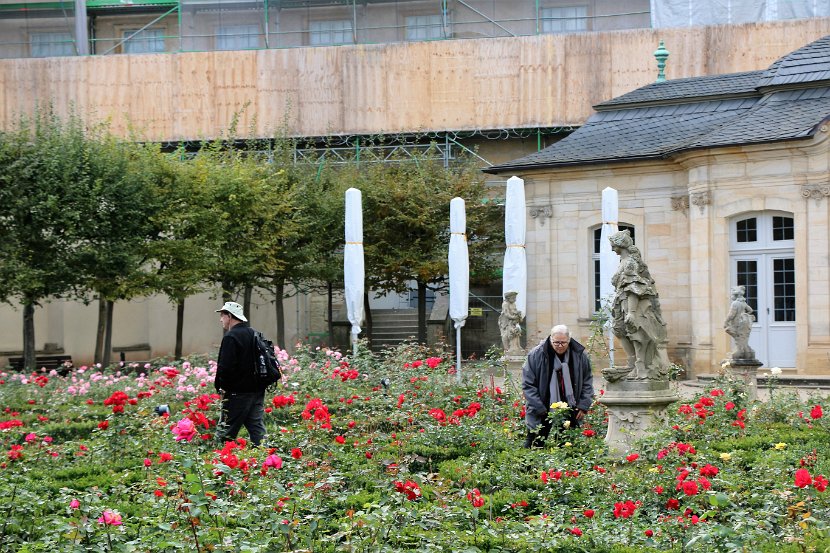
(509,319)
(636,317)
(738,324)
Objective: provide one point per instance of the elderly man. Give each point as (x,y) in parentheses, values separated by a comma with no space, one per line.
(243,396)
(558,369)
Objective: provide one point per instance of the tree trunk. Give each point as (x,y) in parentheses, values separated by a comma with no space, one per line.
(226,291)
(422,312)
(29,359)
(331,313)
(246,302)
(367,318)
(279,290)
(102,327)
(106,359)
(179,328)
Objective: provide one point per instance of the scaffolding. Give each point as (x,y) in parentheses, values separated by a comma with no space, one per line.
(105,27)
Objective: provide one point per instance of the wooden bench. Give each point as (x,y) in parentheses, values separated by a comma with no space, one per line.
(48,362)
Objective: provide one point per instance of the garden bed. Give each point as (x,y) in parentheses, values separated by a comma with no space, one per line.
(425,464)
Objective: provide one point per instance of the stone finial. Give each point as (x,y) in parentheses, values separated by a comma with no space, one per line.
(661,54)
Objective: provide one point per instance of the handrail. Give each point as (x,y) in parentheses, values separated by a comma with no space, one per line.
(479,298)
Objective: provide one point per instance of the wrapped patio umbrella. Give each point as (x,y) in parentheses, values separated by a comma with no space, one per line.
(459,264)
(353,272)
(608,260)
(515,259)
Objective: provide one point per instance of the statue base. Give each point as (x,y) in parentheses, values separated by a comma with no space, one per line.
(634,406)
(746,369)
(513,363)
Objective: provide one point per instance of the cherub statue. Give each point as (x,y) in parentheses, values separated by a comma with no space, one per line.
(738,324)
(509,324)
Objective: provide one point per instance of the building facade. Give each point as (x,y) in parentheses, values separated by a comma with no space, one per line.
(723,182)
(502,79)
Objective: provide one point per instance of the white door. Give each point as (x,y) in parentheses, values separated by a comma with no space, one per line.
(763,262)
(769,281)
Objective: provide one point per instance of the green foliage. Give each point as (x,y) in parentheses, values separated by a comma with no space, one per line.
(452,440)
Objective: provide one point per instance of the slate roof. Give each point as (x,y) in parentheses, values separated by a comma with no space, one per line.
(663,119)
(678,90)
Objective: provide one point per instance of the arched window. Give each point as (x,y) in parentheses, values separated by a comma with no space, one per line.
(597,234)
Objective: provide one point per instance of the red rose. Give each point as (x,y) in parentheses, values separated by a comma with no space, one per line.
(803,478)
(816,412)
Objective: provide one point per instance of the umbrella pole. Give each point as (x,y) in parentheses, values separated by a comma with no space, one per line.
(354,345)
(458,353)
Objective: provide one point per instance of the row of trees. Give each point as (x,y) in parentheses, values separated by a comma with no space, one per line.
(90,216)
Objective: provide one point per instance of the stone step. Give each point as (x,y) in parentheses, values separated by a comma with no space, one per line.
(790,380)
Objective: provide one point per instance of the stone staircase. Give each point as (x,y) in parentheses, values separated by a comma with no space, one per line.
(390,327)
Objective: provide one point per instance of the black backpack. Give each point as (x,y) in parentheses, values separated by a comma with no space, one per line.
(266,365)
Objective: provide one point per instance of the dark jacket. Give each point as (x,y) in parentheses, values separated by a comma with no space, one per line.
(536,375)
(235,370)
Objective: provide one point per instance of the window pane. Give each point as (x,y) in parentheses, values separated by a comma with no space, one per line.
(45,45)
(237,37)
(595,256)
(143,42)
(569,19)
(748,278)
(784,289)
(747,230)
(330,32)
(782,228)
(424,27)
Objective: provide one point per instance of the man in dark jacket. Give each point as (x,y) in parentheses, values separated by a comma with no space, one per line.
(243,397)
(557,370)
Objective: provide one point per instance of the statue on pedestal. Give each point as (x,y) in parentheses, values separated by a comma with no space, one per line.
(509,324)
(638,394)
(738,324)
(636,316)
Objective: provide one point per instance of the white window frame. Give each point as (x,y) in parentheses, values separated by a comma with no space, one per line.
(238,37)
(595,299)
(330,32)
(564,19)
(145,41)
(47,44)
(426,27)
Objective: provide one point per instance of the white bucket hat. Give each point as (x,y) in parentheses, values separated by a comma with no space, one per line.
(234,309)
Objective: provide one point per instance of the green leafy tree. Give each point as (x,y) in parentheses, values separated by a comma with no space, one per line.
(406,225)
(251,208)
(47,197)
(121,226)
(181,259)
(315,262)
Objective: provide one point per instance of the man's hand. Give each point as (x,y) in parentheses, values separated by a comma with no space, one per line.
(580,414)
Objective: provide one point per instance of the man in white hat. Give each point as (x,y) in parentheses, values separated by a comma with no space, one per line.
(243,396)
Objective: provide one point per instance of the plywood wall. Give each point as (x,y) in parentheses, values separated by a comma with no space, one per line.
(548,80)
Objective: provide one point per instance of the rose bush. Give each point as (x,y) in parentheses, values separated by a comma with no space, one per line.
(392,454)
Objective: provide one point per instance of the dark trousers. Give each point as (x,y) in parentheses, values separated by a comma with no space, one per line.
(538,437)
(242,409)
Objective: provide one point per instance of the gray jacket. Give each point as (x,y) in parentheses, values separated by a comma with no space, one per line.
(536,381)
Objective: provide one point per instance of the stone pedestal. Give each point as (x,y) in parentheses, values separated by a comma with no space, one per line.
(747,369)
(513,366)
(633,407)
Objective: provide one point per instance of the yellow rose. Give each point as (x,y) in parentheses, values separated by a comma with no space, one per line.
(725,456)
(780,445)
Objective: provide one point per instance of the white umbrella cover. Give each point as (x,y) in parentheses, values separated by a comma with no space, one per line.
(353,271)
(608,260)
(515,228)
(459,265)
